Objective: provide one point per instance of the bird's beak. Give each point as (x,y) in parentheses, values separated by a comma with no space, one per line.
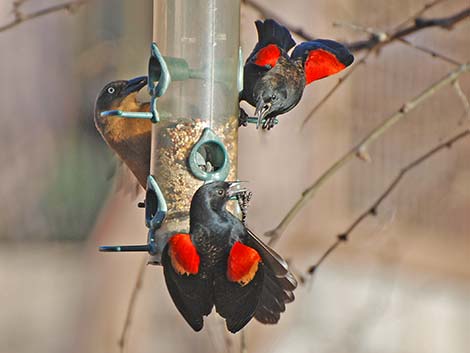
(235,188)
(135,84)
(262,109)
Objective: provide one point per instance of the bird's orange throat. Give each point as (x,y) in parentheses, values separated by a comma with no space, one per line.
(242,264)
(183,254)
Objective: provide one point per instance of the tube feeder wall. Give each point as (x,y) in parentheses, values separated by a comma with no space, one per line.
(196,139)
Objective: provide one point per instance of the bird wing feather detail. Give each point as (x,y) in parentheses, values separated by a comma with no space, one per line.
(191,294)
(322,58)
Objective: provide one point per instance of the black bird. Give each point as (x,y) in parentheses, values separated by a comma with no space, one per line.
(222,263)
(130,139)
(274,81)
(274,42)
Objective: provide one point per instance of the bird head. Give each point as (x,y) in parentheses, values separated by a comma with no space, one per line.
(214,196)
(271,94)
(115,92)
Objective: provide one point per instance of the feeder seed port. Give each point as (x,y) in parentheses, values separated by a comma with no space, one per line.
(208,160)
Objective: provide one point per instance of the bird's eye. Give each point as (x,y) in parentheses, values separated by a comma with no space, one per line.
(220,192)
(273,97)
(111,90)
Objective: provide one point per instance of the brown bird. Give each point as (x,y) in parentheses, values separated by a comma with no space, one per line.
(130,139)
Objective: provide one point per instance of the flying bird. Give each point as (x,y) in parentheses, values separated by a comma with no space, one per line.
(274,81)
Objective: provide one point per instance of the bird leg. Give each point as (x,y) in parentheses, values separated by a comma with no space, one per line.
(269,123)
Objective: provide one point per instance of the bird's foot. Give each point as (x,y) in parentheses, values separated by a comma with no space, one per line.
(243,118)
(269,123)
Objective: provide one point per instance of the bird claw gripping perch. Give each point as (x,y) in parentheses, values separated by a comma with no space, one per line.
(244,119)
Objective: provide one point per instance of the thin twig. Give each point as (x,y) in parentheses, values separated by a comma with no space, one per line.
(463,98)
(334,89)
(131,306)
(431,52)
(243,343)
(20,17)
(379,39)
(372,210)
(376,40)
(362,146)
(419,13)
(359,28)
(382,37)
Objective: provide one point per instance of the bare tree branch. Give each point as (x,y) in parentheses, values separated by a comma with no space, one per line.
(338,84)
(372,210)
(377,37)
(131,306)
(431,52)
(419,13)
(20,17)
(362,146)
(379,40)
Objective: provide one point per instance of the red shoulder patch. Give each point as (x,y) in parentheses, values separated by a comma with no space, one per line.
(268,55)
(183,254)
(242,264)
(319,64)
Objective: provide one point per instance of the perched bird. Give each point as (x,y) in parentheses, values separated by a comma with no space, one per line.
(130,139)
(222,263)
(274,81)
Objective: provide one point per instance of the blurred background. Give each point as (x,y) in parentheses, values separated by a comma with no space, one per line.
(402,282)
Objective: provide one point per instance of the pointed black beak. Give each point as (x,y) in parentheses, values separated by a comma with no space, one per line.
(235,189)
(135,84)
(262,108)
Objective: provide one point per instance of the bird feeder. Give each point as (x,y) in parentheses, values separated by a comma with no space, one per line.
(195,72)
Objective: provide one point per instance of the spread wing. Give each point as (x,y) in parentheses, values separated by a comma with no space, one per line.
(191,293)
(279,283)
(322,58)
(237,303)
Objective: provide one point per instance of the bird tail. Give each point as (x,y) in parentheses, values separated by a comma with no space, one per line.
(271,32)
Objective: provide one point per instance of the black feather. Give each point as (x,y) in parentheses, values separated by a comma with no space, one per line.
(192,295)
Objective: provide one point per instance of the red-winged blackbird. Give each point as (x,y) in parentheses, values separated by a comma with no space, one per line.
(222,263)
(130,139)
(274,81)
